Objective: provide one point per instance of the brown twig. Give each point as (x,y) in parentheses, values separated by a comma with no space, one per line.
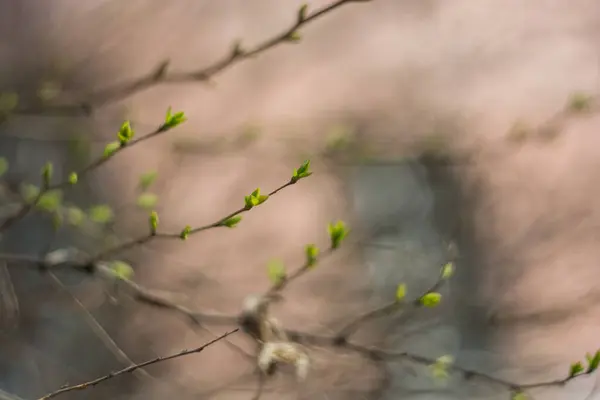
(161,75)
(350,328)
(134,367)
(287,279)
(26,206)
(340,341)
(99,331)
(137,291)
(164,235)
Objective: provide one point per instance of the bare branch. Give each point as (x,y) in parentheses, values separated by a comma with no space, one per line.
(99,331)
(134,367)
(161,75)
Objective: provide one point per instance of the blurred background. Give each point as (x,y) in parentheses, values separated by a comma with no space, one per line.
(427,122)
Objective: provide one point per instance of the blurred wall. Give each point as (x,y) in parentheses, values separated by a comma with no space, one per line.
(402,75)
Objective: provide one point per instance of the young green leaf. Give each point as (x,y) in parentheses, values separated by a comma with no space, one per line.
(440,368)
(101,214)
(147,179)
(294,37)
(73,178)
(431,299)
(75,216)
(593,362)
(47,172)
(125,133)
(172,120)
(312,252)
(302,13)
(254,199)
(57,220)
(448,270)
(3,166)
(446,360)
(276,272)
(121,270)
(301,172)
(575,369)
(248,202)
(153,219)
(401,292)
(147,200)
(50,200)
(232,221)
(185,233)
(519,395)
(580,102)
(439,372)
(337,233)
(111,149)
(29,192)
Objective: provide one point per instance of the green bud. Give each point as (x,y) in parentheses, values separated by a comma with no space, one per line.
(448,270)
(125,133)
(47,172)
(302,172)
(111,149)
(172,120)
(276,272)
(311,252)
(232,221)
(593,362)
(147,200)
(401,292)
(294,37)
(147,179)
(101,214)
(337,233)
(431,299)
(121,270)
(254,199)
(73,178)
(302,13)
(575,369)
(75,216)
(153,222)
(50,201)
(185,233)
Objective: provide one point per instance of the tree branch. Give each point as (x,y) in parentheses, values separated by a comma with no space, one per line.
(344,333)
(177,235)
(161,75)
(134,367)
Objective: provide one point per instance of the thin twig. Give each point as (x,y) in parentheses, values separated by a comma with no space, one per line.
(99,331)
(9,302)
(134,367)
(176,235)
(386,309)
(287,279)
(27,205)
(137,291)
(161,75)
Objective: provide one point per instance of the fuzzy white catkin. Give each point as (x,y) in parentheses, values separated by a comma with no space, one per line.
(286,353)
